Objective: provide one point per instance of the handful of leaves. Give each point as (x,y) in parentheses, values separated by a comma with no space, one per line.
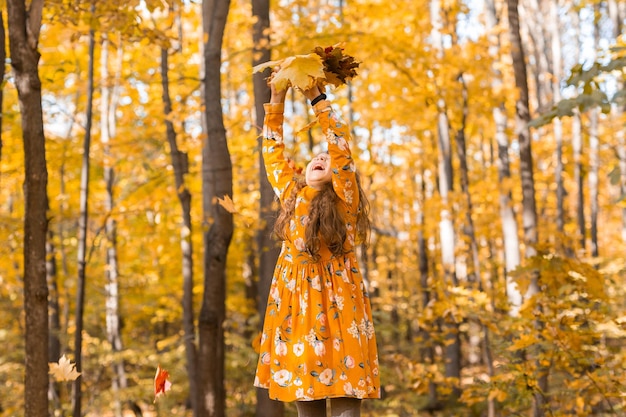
(323,66)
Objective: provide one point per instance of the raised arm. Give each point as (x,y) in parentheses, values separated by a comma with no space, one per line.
(279,173)
(337,134)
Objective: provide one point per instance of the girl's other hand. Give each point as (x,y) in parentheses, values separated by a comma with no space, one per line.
(312,92)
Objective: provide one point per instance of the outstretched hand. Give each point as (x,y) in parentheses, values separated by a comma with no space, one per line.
(278,95)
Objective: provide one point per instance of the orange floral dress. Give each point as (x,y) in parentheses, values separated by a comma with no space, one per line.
(318,338)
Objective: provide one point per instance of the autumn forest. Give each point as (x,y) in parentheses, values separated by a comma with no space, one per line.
(136,216)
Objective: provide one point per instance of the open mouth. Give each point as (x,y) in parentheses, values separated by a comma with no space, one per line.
(317,167)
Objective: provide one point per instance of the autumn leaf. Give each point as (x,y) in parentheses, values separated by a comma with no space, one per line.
(300,71)
(64,370)
(227,203)
(161,382)
(293,166)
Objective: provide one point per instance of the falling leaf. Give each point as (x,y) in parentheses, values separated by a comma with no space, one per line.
(227,203)
(64,370)
(293,166)
(161,382)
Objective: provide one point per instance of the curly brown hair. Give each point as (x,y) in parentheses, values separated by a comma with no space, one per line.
(326,222)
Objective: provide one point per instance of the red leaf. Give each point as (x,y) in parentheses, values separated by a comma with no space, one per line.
(161,382)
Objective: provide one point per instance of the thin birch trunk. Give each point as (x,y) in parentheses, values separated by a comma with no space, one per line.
(180,164)
(82,232)
(470,232)
(24,25)
(592,177)
(107,133)
(217,222)
(616,15)
(509,224)
(579,178)
(594,158)
(529,208)
(577,148)
(427,350)
(446,224)
(557,74)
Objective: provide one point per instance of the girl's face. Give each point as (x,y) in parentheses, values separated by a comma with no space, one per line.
(318,171)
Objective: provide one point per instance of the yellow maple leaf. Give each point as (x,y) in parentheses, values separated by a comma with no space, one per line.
(301,71)
(227,203)
(64,370)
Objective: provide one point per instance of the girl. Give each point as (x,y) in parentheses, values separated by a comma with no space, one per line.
(318,339)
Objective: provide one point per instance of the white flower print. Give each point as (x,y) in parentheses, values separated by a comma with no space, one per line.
(303,304)
(349,362)
(300,393)
(299,244)
(337,344)
(316,284)
(291,285)
(311,338)
(326,377)
(353,329)
(275,295)
(367,328)
(282,377)
(320,348)
(298,349)
(347,388)
(298,382)
(341,143)
(348,194)
(281,348)
(339,300)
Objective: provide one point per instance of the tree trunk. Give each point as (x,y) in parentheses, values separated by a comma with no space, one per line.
(427,349)
(82,233)
(556,122)
(529,208)
(107,132)
(267,248)
(3,57)
(446,224)
(616,14)
(594,166)
(471,235)
(510,234)
(579,178)
(577,147)
(180,163)
(24,26)
(594,157)
(54,322)
(217,222)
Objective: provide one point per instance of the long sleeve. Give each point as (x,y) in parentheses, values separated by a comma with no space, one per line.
(279,173)
(337,134)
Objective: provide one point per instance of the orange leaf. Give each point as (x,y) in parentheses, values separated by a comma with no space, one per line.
(227,203)
(161,382)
